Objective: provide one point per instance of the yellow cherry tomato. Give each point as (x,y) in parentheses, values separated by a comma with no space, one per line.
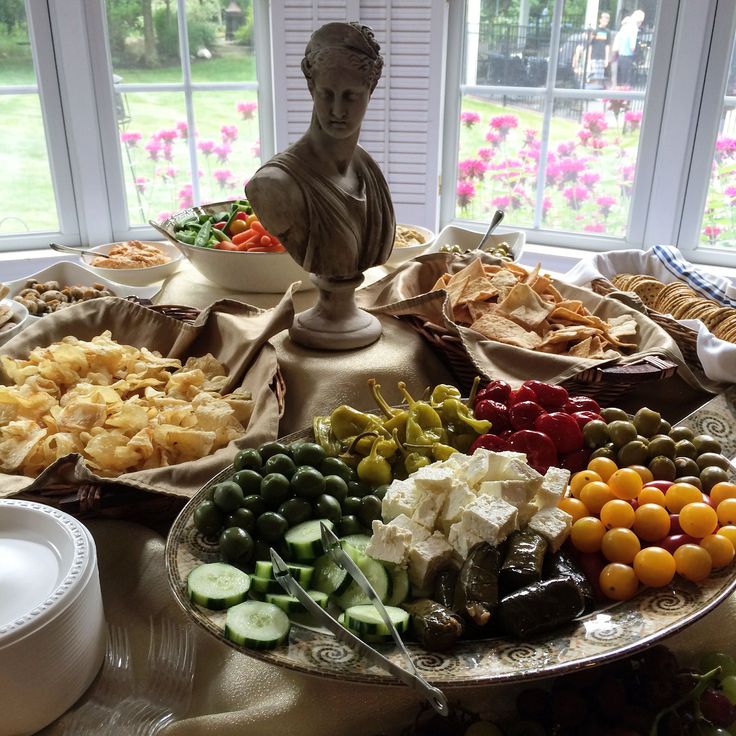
(586,534)
(620,545)
(604,466)
(679,495)
(698,519)
(618,582)
(722,491)
(580,479)
(729,532)
(645,474)
(596,495)
(617,513)
(251,219)
(626,483)
(727,511)
(719,547)
(651,522)
(651,495)
(693,562)
(238,226)
(655,566)
(575,507)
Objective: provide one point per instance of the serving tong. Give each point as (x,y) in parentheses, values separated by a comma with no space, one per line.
(333,548)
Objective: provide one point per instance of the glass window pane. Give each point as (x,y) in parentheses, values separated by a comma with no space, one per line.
(24,158)
(585,143)
(718,229)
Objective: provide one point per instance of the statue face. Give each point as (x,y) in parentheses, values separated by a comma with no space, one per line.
(341,97)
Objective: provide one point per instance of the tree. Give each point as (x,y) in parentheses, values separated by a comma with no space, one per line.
(150,56)
(12,14)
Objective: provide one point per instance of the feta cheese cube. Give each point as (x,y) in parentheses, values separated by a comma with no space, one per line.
(418,532)
(389,543)
(428,510)
(553,524)
(516,492)
(402,497)
(427,558)
(491,519)
(519,470)
(554,485)
(455,502)
(525,513)
(471,468)
(434,478)
(498,462)
(461,540)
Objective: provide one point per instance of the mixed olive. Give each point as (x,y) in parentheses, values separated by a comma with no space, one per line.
(277,486)
(502,250)
(45,297)
(670,453)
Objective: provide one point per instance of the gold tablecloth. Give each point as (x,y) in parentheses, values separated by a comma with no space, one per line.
(235,694)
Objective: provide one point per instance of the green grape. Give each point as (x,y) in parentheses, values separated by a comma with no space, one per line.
(483,728)
(728,685)
(711,660)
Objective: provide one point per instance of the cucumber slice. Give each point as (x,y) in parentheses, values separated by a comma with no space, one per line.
(359,541)
(257,625)
(305,540)
(367,620)
(399,587)
(265,585)
(377,577)
(293,605)
(301,573)
(329,578)
(217,585)
(370,638)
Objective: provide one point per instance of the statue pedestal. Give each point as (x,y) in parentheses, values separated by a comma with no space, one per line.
(335,322)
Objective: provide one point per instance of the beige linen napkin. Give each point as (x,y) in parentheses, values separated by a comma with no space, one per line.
(236,334)
(408,292)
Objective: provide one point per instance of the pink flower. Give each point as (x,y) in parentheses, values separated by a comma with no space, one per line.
(530,137)
(185,197)
(553,173)
(628,172)
(256,149)
(575,196)
(570,168)
(485,154)
(585,136)
(140,183)
(222,176)
(518,197)
(632,120)
(154,148)
(183,129)
(207,147)
(246,109)
(598,144)
(494,138)
(229,133)
(222,152)
(712,232)
(725,147)
(469,119)
(130,139)
(472,168)
(502,202)
(546,204)
(166,135)
(590,178)
(566,149)
(595,227)
(168,151)
(730,192)
(163,216)
(465,192)
(605,203)
(595,122)
(504,123)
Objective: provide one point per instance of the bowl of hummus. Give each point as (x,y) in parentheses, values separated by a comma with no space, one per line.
(410,241)
(134,262)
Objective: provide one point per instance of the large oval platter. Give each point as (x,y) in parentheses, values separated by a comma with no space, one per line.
(606,634)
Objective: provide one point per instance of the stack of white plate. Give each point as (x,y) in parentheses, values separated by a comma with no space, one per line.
(52,626)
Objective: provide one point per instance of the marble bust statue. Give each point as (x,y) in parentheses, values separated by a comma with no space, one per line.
(325,197)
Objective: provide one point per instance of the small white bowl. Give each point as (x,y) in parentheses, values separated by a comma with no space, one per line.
(469,239)
(136,276)
(21,319)
(407,252)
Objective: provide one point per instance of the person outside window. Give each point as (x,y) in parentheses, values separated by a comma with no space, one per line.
(625,45)
(600,53)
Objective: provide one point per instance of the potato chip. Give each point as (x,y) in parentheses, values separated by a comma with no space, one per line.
(524,306)
(496,327)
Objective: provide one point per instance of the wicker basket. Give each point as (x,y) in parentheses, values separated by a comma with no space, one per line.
(686,339)
(117,501)
(603,384)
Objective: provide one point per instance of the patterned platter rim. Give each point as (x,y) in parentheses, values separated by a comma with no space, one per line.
(602,636)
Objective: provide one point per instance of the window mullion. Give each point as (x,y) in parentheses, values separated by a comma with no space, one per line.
(264,75)
(188,99)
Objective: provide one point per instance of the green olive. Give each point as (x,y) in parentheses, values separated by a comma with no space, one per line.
(279,463)
(606,451)
(358,488)
(706,443)
(712,458)
(681,433)
(664,427)
(711,475)
(370,509)
(296,510)
(208,518)
(249,459)
(662,444)
(236,546)
(686,466)
(308,453)
(274,448)
(275,489)
(692,480)
(271,526)
(228,496)
(348,525)
(351,505)
(336,486)
(255,503)
(327,507)
(249,480)
(335,466)
(621,432)
(685,448)
(632,453)
(647,421)
(242,517)
(663,468)
(380,491)
(308,482)
(612,414)
(595,433)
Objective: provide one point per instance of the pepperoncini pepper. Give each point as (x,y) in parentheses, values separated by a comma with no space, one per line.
(375,469)
(395,418)
(453,411)
(423,425)
(443,391)
(413,459)
(347,422)
(363,443)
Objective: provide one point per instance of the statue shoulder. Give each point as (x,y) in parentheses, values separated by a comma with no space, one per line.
(276,198)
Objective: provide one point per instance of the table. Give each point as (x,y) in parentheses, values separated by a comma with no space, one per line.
(235,694)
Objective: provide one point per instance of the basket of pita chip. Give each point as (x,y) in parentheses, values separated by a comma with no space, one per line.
(110,405)
(504,320)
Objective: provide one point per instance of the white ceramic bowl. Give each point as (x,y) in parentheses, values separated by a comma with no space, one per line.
(136,276)
(21,319)
(52,625)
(469,239)
(407,252)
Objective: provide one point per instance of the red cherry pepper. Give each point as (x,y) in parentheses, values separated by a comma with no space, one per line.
(548,395)
(220,225)
(489,442)
(494,391)
(524,393)
(576,460)
(583,417)
(539,449)
(241,216)
(495,412)
(524,414)
(581,403)
(562,429)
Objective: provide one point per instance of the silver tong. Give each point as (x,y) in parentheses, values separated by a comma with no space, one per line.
(410,676)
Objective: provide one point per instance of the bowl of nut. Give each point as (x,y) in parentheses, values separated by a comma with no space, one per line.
(508,244)
(13,316)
